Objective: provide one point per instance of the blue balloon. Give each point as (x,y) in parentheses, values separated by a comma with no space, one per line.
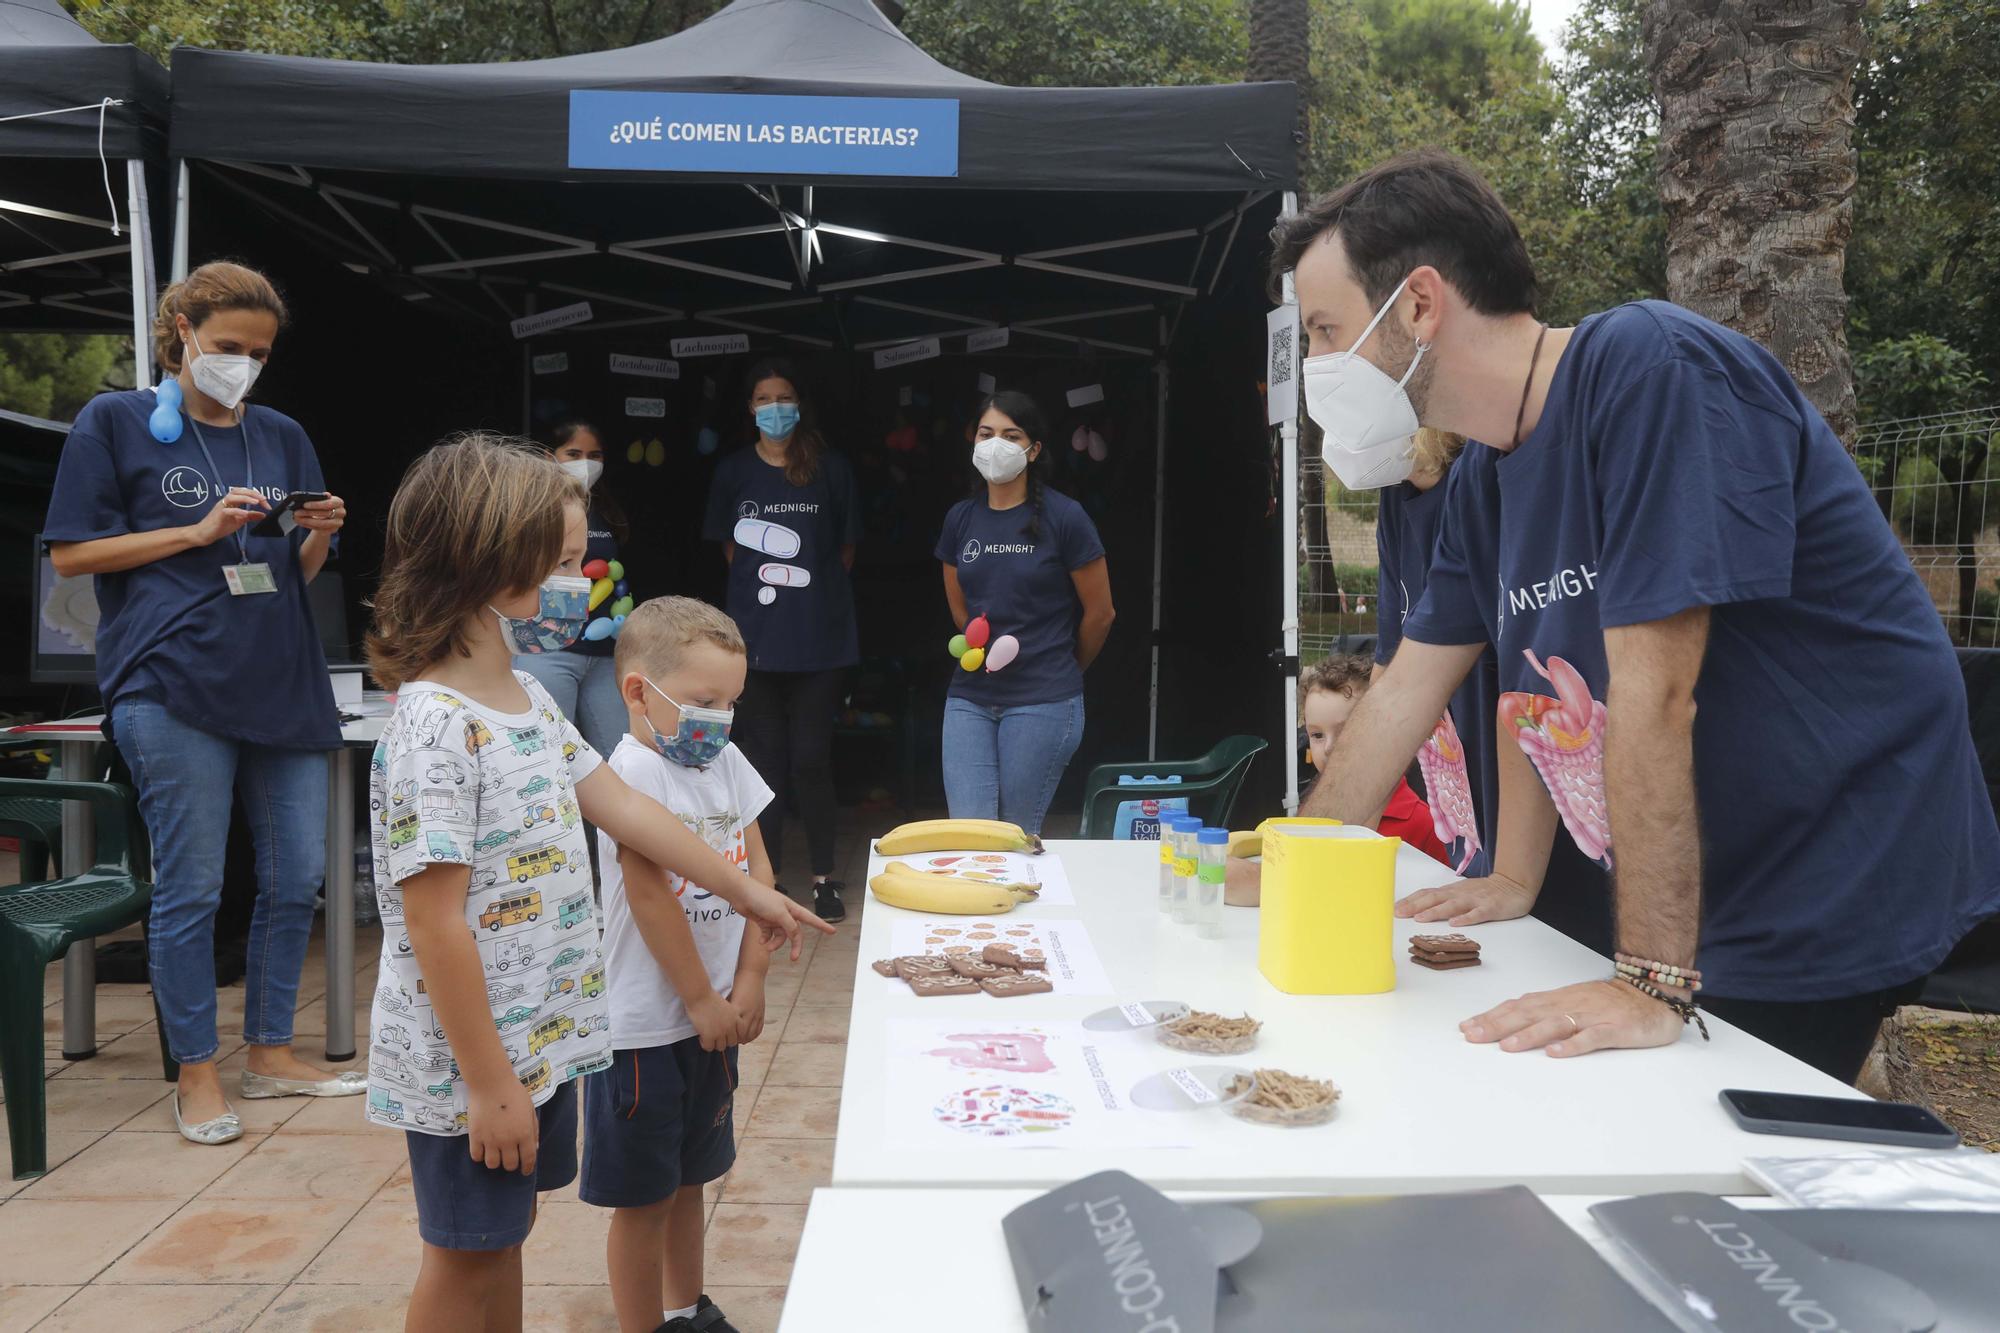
(165,423)
(619,590)
(599,629)
(169,392)
(706,441)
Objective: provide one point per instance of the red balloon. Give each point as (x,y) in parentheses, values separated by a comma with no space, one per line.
(597,569)
(977,633)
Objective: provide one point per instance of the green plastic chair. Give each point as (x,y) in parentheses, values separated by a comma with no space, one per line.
(1209,784)
(35,820)
(38,922)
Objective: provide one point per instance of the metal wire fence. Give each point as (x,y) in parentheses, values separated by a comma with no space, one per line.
(1936,478)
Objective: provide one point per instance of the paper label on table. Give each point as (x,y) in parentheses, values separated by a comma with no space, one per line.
(1196,1090)
(1072,962)
(1137,1015)
(1045,871)
(953,1085)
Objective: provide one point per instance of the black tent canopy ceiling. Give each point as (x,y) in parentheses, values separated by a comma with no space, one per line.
(62,268)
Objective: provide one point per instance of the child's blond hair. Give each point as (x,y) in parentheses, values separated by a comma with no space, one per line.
(476,518)
(1437,450)
(659,631)
(1343,674)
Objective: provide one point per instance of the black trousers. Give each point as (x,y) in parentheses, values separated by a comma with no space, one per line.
(1833,1036)
(784,724)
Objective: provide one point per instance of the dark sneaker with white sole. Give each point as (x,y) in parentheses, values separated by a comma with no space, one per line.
(707,1318)
(826,900)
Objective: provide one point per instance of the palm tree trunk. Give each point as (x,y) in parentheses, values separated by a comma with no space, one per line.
(1757,171)
(1280,52)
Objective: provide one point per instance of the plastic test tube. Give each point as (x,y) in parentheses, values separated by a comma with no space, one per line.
(1213,870)
(1167,862)
(1186,866)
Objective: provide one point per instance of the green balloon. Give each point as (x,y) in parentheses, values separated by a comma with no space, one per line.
(617,571)
(957,646)
(622,607)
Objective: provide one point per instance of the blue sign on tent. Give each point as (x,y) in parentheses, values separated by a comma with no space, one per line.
(762,134)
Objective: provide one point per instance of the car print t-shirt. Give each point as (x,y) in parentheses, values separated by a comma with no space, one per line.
(456,781)
(717,803)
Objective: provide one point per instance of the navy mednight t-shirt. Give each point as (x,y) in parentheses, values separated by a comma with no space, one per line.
(1460,771)
(781,530)
(1848,842)
(246,668)
(1022,585)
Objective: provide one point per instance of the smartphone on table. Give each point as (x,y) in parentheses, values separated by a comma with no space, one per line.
(279,522)
(1861,1119)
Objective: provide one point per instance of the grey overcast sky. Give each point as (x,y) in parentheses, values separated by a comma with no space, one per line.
(1549,18)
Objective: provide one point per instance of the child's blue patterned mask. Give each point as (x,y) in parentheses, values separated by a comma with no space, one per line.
(564,609)
(702,734)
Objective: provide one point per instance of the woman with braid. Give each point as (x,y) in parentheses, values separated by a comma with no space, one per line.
(1027,560)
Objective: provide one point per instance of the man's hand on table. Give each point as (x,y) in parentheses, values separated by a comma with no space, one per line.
(1468,902)
(1589,1016)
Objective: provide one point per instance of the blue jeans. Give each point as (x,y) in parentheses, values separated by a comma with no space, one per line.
(185,777)
(1004,763)
(586,689)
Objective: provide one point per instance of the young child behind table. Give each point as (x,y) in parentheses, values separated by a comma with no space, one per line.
(491,1000)
(687,982)
(1328,691)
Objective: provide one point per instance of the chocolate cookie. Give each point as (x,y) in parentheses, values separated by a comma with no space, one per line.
(1003,955)
(886,966)
(1034,958)
(944,983)
(922,965)
(1015,983)
(978,970)
(1444,966)
(1438,944)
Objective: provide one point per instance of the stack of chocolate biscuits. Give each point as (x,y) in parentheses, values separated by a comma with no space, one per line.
(1000,971)
(1442,953)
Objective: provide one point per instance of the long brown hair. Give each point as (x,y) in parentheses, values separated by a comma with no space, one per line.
(477,517)
(803,449)
(221,285)
(601,499)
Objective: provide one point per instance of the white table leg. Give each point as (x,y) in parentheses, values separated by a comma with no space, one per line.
(79,850)
(340,905)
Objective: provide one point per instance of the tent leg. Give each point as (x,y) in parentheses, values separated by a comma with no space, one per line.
(1159,540)
(1288,472)
(180,264)
(139,229)
(528,378)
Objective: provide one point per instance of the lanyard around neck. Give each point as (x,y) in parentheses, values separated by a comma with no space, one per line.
(221,486)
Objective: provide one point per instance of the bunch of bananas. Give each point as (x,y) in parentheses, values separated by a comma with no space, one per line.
(957,835)
(903,885)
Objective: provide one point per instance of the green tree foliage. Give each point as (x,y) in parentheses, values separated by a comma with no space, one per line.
(52,375)
(1460,52)
(1083,43)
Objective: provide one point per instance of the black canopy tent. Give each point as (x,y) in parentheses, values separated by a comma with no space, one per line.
(79,122)
(1086,223)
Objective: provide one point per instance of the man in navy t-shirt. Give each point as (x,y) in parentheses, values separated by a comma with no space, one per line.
(1665,532)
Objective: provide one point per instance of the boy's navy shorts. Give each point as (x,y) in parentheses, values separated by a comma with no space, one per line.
(467,1205)
(657,1119)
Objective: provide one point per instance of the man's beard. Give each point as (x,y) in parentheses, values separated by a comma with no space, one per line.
(1399,348)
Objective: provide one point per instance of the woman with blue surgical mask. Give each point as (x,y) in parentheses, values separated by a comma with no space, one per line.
(581,678)
(787,514)
(176,500)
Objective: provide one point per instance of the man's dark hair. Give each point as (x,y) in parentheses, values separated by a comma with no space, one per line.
(1426,207)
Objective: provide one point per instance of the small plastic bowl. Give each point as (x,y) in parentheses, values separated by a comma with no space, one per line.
(1247,1109)
(1205,1045)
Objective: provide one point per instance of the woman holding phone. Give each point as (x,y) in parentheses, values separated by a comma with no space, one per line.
(211,670)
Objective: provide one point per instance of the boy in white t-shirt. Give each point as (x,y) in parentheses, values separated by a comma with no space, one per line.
(686,986)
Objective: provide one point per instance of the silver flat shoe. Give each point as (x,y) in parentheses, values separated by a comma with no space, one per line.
(222,1129)
(352,1083)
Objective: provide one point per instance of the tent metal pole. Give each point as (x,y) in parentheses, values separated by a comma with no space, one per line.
(180,262)
(528,376)
(141,234)
(1159,543)
(1288,473)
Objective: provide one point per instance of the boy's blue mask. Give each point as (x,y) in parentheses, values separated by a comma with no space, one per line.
(556,623)
(778,420)
(702,735)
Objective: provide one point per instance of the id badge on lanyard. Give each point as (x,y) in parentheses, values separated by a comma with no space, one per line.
(247,577)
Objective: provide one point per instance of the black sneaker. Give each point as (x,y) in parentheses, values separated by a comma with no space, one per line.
(826,900)
(707,1318)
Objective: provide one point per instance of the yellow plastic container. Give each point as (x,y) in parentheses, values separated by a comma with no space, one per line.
(1327,921)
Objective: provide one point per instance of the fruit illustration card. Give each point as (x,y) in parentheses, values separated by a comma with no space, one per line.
(1001,1085)
(1045,871)
(1071,963)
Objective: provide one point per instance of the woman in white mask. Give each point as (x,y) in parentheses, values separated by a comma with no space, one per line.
(1025,576)
(580,678)
(211,671)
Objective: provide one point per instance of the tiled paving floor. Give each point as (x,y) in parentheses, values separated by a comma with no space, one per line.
(308,1223)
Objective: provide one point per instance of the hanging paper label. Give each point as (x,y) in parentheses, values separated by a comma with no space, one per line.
(987,340)
(987,384)
(645,407)
(1281,364)
(922,350)
(747,135)
(651,367)
(720,344)
(707,387)
(1197,1091)
(1085,396)
(905,395)
(552,363)
(560,318)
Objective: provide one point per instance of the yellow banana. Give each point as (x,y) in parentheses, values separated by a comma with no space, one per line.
(903,870)
(936,894)
(957,835)
(1247,844)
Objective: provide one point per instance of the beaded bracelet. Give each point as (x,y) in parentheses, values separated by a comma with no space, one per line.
(1689,980)
(1685,1008)
(1683,976)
